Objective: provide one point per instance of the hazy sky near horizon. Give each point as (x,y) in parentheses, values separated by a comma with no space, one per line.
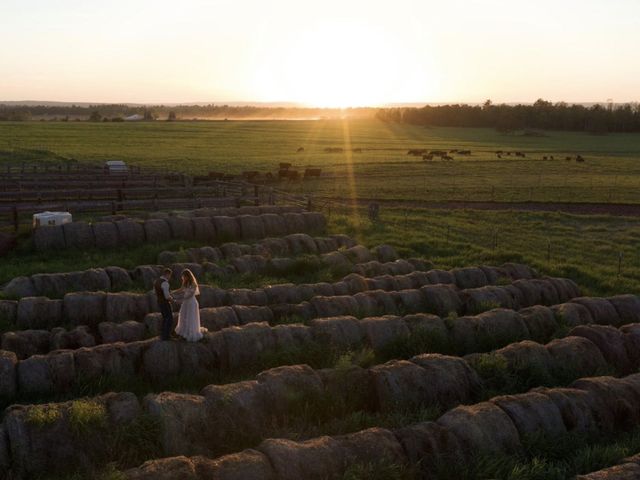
(324,53)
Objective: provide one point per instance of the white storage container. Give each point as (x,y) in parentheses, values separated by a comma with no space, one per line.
(116,166)
(51,219)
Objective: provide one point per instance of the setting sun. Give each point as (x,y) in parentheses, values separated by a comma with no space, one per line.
(341,65)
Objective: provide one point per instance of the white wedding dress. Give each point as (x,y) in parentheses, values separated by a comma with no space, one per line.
(189,316)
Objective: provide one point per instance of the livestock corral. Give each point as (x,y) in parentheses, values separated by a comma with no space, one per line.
(337,346)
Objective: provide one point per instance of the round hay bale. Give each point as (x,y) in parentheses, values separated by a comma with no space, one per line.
(326,244)
(245,344)
(379,332)
(8,369)
(398,267)
(321,457)
(334,306)
(294,222)
(227,228)
(549,293)
(356,283)
(147,274)
(335,260)
(518,271)
(572,314)
(627,306)
(470,277)
(411,301)
(253,314)
(441,299)
(344,331)
(426,443)
(482,427)
(441,276)
(301,243)
(358,254)
(574,406)
(601,310)
(217,318)
(157,230)
(532,413)
(274,225)
(610,341)
(251,227)
(79,235)
(400,384)
(495,275)
(20,287)
(341,288)
(323,288)
(106,235)
(500,327)
(385,253)
(120,307)
(283,293)
(344,241)
(25,343)
(314,222)
(540,321)
(418,279)
(180,227)
(367,446)
(119,278)
(576,357)
(130,233)
(452,380)
(85,308)
(48,238)
(477,300)
(529,356)
(203,229)
(39,313)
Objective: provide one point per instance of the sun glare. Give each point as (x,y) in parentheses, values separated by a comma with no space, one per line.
(341,66)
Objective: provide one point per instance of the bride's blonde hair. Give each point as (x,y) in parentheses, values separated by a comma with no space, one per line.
(189,279)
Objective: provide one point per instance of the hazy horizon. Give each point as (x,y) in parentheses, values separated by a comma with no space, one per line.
(319,54)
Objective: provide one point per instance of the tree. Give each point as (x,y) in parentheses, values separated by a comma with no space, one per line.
(172,116)
(149,115)
(95,116)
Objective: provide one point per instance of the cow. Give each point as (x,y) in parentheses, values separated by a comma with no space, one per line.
(464,152)
(499,152)
(453,151)
(544,158)
(437,153)
(417,151)
(551,157)
(427,157)
(446,157)
(499,155)
(579,158)
(312,172)
(357,150)
(568,159)
(300,150)
(285,165)
(333,150)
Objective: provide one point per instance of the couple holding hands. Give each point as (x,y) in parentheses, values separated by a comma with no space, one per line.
(189,317)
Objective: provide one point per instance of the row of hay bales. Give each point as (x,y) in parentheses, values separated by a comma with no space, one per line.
(241,307)
(202,424)
(201,260)
(423,380)
(601,405)
(129,232)
(234,348)
(95,308)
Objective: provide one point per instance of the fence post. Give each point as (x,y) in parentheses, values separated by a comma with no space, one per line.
(620,255)
(548,250)
(15,219)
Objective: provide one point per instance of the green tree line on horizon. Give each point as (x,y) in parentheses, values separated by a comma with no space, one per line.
(544,115)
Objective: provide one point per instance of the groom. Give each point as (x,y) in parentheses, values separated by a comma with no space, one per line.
(163,293)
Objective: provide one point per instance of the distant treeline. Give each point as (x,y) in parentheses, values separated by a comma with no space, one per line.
(543,115)
(104,112)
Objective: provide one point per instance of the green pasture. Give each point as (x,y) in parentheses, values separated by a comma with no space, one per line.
(611,172)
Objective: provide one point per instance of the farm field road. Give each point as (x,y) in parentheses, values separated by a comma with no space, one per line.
(618,209)
(378,168)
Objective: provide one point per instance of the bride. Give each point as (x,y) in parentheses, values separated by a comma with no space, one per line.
(189,316)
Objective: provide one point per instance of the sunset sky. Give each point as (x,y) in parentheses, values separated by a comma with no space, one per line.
(319,53)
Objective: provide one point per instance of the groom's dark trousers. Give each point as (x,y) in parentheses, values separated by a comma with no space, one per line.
(165,310)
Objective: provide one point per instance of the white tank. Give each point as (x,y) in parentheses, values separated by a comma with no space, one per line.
(51,219)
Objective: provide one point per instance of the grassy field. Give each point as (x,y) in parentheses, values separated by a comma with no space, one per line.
(611,172)
(601,253)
